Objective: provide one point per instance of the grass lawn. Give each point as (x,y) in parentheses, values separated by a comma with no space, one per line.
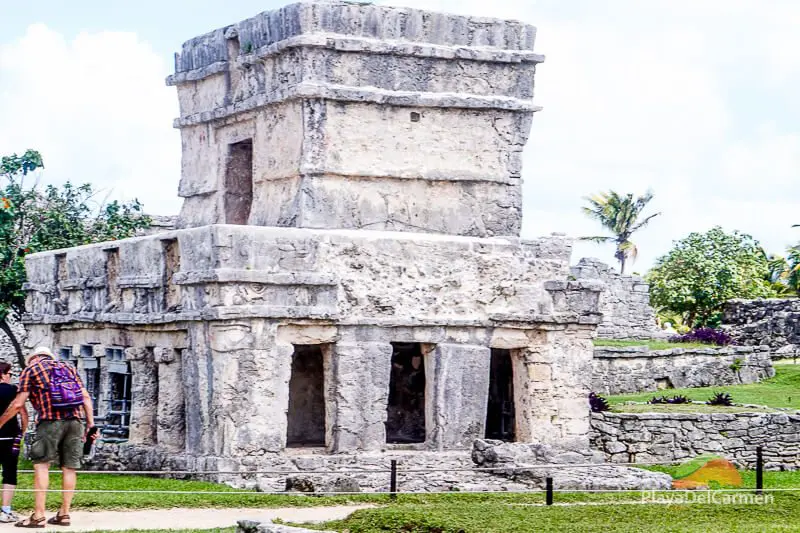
(454,512)
(653,345)
(783,390)
(23,501)
(486,517)
(500,513)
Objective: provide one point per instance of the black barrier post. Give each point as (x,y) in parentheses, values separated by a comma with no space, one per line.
(549,491)
(759,470)
(393,481)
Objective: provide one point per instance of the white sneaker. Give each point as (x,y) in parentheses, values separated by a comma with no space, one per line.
(8,517)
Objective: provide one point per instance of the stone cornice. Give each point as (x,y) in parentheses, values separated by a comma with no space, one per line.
(342,43)
(328,91)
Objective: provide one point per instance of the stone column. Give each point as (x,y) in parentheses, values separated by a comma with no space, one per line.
(456,394)
(360,379)
(248,384)
(552,378)
(144,395)
(171,413)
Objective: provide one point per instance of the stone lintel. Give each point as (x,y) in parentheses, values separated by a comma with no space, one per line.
(230,275)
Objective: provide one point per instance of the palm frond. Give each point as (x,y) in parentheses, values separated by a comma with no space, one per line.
(644,222)
(597,239)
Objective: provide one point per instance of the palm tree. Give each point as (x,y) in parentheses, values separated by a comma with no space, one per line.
(620,215)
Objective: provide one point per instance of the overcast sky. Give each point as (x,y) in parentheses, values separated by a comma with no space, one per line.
(696,99)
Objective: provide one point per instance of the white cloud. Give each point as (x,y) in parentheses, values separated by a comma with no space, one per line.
(96,108)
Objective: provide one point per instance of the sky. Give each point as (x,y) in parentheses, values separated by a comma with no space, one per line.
(693,99)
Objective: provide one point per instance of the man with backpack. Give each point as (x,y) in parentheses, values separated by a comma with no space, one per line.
(61,403)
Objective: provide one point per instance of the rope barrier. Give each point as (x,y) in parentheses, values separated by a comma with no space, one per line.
(371,471)
(406,493)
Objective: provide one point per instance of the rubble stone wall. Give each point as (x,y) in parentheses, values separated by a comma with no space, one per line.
(625,302)
(637,368)
(7,353)
(653,437)
(774,322)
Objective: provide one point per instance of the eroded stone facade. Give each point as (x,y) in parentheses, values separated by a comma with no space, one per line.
(308,133)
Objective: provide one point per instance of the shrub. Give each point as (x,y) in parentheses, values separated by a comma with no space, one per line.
(737,364)
(598,403)
(674,400)
(706,336)
(721,398)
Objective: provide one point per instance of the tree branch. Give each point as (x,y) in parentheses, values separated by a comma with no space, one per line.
(6,328)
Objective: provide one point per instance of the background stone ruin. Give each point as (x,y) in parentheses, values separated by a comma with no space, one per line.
(624,302)
(774,322)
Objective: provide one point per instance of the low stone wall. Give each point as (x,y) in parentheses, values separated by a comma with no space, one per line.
(639,369)
(625,302)
(774,322)
(418,471)
(657,437)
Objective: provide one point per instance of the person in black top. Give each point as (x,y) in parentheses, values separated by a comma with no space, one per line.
(10,438)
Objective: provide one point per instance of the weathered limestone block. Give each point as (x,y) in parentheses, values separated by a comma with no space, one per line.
(459,379)
(144,387)
(171,410)
(361,379)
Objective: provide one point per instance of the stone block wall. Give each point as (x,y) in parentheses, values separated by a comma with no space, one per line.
(654,437)
(637,368)
(625,302)
(774,322)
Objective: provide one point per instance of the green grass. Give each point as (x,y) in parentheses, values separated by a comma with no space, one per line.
(23,501)
(606,512)
(653,345)
(783,390)
(486,517)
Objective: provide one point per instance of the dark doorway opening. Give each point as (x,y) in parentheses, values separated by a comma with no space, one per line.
(500,408)
(306,416)
(239,182)
(405,422)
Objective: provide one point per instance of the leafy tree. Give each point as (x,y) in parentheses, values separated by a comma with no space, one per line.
(35,219)
(705,270)
(784,272)
(621,216)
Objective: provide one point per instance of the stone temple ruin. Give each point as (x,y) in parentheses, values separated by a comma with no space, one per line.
(347,275)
